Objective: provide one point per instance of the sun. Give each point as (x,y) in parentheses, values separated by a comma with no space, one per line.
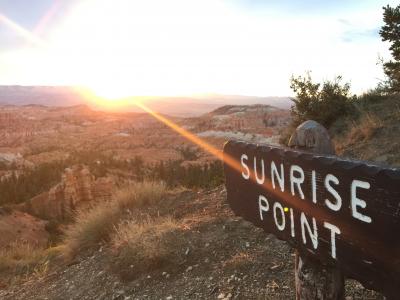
(111,92)
(130,48)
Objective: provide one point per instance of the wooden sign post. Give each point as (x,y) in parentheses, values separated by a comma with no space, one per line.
(342,216)
(313,280)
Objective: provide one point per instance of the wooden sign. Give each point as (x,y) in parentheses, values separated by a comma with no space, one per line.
(341,212)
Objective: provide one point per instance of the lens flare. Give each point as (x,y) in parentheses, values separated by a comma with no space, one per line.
(307,207)
(26,34)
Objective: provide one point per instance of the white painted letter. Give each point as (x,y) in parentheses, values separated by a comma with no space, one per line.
(334,206)
(263,205)
(356,202)
(314,186)
(313,234)
(247,174)
(334,230)
(281,177)
(296,180)
(292,223)
(282,225)
(259,181)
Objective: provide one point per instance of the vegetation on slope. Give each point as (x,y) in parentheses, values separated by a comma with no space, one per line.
(24,184)
(373,132)
(99,223)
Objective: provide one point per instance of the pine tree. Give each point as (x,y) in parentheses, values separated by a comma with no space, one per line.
(391,32)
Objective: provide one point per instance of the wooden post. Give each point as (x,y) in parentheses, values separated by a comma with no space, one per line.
(314,281)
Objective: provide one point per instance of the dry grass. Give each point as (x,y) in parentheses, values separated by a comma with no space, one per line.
(141,247)
(96,225)
(239,260)
(19,260)
(365,128)
(138,194)
(361,130)
(90,228)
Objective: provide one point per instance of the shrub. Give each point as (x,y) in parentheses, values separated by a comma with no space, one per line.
(137,194)
(323,103)
(96,225)
(20,259)
(142,247)
(90,228)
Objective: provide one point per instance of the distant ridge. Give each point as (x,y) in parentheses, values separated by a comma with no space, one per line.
(39,95)
(234,109)
(181,106)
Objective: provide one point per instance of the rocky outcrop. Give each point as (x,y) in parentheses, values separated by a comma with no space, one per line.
(77,189)
(20,227)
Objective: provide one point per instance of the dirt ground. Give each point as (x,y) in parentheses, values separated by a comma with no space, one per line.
(224,258)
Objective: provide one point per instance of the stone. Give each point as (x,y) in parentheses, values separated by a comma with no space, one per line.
(77,189)
(313,137)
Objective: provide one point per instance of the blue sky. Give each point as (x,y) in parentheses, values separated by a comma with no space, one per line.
(189,46)
(305,6)
(28,14)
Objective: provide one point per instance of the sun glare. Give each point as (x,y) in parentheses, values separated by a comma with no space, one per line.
(124,48)
(121,48)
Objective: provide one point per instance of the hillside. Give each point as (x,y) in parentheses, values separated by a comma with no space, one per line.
(183,243)
(373,134)
(218,256)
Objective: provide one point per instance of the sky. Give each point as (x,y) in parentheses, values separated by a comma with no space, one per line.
(176,47)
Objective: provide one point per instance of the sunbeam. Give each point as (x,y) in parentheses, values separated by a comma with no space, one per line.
(26,34)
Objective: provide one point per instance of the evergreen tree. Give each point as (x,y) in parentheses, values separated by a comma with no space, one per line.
(391,32)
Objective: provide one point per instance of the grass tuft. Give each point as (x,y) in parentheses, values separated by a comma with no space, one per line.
(90,228)
(19,260)
(365,128)
(143,247)
(137,194)
(359,131)
(96,225)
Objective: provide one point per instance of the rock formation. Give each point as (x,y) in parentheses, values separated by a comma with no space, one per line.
(77,189)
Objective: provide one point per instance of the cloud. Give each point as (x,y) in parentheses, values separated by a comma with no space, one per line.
(304,7)
(354,35)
